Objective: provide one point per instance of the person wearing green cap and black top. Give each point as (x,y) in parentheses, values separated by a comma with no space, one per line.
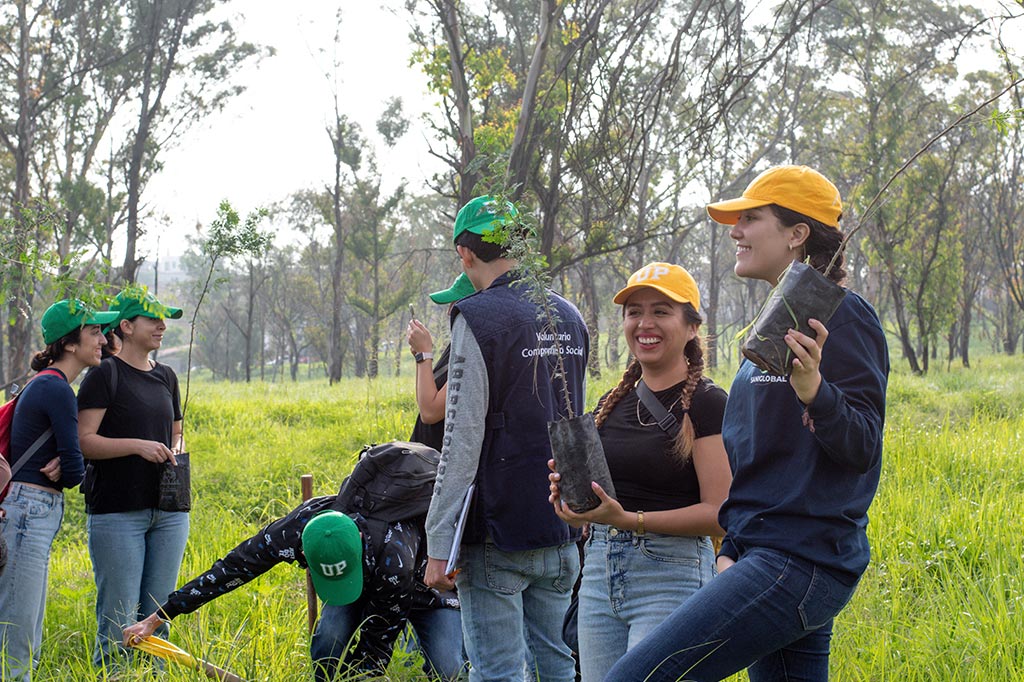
(46,459)
(374,580)
(518,560)
(130,425)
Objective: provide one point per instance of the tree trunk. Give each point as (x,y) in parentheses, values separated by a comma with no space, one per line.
(338,266)
(19,333)
(449,17)
(590,312)
(904,329)
(520,152)
(965,337)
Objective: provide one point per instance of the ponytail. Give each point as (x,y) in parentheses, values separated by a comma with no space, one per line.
(54,351)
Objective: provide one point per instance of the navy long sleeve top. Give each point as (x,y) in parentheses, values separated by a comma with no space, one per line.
(803,479)
(47,402)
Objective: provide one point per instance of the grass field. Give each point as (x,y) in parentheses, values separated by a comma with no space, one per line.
(942,599)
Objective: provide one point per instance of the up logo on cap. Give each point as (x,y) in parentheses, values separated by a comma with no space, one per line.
(333,548)
(650,273)
(668,278)
(333,570)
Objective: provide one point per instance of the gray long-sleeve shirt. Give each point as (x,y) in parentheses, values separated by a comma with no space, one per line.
(465,412)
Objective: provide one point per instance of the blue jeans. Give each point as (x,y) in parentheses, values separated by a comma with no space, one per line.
(771,611)
(630,585)
(439,632)
(514,599)
(135,560)
(438,635)
(32,520)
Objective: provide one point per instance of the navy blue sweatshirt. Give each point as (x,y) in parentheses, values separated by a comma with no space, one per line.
(47,401)
(802,483)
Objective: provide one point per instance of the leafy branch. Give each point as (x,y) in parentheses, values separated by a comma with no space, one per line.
(518,234)
(228,237)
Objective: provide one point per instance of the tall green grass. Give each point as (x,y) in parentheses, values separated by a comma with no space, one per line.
(942,600)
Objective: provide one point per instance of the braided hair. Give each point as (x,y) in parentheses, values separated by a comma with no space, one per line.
(694,353)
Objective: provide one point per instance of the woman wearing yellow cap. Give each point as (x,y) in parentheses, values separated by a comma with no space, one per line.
(649,549)
(805,452)
(46,459)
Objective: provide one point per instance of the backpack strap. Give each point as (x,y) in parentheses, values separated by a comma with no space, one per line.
(666,420)
(27,455)
(38,442)
(112,386)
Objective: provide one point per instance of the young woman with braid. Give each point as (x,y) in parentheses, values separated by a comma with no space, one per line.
(649,549)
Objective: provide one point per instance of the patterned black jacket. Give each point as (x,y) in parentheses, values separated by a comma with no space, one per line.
(394,559)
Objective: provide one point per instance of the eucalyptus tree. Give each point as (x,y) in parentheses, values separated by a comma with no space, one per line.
(181,70)
(1000,204)
(596,112)
(47,49)
(893,65)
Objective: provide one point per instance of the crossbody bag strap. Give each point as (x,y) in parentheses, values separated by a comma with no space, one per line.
(666,420)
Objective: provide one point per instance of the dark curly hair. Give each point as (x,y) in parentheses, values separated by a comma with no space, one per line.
(821,245)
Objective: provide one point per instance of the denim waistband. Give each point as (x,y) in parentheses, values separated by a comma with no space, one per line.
(21,490)
(611,533)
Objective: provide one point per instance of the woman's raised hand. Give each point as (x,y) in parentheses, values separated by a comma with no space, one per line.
(806,375)
(419,337)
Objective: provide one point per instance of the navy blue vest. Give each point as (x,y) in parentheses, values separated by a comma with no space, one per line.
(511,504)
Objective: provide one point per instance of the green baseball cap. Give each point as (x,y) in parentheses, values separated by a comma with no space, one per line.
(460,289)
(482,215)
(334,555)
(64,317)
(135,301)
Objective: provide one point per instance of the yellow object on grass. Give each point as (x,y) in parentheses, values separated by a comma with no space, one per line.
(161,648)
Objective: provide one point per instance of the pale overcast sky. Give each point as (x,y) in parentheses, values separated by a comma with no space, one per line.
(271,140)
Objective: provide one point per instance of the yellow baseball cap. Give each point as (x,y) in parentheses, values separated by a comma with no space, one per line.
(797,188)
(668,278)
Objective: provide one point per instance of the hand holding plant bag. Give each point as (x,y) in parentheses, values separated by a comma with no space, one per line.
(802,294)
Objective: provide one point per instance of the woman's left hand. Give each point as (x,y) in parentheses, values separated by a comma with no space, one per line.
(609,512)
(52,469)
(806,377)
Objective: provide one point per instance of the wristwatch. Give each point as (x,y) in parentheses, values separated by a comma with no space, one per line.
(421,357)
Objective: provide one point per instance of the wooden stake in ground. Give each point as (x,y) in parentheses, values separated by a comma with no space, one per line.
(161,648)
(311,603)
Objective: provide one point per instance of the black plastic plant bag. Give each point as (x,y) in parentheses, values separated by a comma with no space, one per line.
(579,458)
(802,294)
(176,485)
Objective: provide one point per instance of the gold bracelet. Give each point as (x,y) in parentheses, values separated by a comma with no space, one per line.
(639,523)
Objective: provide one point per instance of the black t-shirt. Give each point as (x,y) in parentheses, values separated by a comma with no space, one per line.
(433,434)
(145,405)
(646,472)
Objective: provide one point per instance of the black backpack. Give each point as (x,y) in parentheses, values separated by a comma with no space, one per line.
(390,482)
